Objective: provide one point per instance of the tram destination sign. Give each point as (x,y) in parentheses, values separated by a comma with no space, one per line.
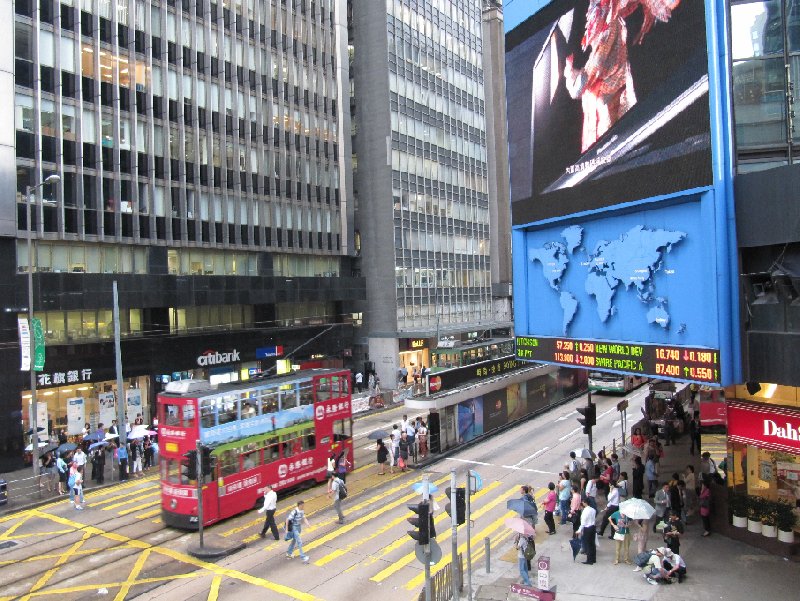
(661,361)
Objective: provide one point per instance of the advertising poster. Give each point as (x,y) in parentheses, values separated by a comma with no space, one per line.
(606,105)
(470,419)
(789,483)
(495,410)
(42,421)
(134,398)
(515,397)
(108,408)
(76,415)
(538,392)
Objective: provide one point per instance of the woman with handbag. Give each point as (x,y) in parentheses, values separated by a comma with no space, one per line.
(622,537)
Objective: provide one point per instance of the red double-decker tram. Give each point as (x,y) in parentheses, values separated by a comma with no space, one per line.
(279,430)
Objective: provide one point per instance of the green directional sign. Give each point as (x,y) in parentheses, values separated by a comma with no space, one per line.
(38,344)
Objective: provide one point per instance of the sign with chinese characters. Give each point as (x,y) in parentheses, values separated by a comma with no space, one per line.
(134,404)
(108,408)
(24,344)
(323,411)
(38,344)
(59,378)
(452,378)
(76,415)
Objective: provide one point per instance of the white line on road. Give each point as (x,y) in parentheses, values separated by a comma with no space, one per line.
(563,417)
(616,423)
(508,467)
(469,461)
(534,456)
(575,431)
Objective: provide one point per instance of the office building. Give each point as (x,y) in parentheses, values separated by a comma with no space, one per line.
(204,158)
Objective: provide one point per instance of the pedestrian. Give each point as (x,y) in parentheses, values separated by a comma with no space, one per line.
(615,467)
(564,493)
(549,505)
(612,506)
(620,523)
(661,501)
(673,531)
(622,486)
(640,536)
(337,491)
(588,532)
(75,483)
(651,473)
(148,453)
(575,508)
(395,436)
(270,505)
(422,437)
(637,479)
(122,459)
(342,464)
(359,381)
(63,474)
(331,463)
(403,447)
(138,455)
(694,433)
(522,543)
(675,564)
(49,469)
(590,492)
(294,525)
(393,452)
(79,457)
(527,496)
(708,469)
(383,457)
(689,478)
(705,507)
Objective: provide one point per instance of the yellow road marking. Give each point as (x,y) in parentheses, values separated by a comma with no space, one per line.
(63,558)
(124,495)
(31,534)
(405,560)
(7,534)
(109,585)
(213,592)
(339,552)
(131,579)
(149,514)
(140,507)
(164,551)
(129,501)
(379,498)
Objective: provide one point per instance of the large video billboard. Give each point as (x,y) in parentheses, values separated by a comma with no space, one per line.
(607,103)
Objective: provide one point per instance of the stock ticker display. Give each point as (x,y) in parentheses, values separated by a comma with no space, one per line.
(670,362)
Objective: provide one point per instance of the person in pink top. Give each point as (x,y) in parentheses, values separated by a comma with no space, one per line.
(549,507)
(575,508)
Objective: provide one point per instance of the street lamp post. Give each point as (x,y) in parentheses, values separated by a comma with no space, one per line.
(32,408)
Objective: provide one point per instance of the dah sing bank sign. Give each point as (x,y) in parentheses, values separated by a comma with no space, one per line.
(765,426)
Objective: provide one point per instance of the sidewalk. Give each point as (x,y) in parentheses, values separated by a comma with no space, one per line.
(717,566)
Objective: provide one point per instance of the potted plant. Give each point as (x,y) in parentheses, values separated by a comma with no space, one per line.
(785,521)
(769,519)
(755,509)
(737,503)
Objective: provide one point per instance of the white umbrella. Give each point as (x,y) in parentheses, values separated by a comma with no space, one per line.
(41,444)
(584,453)
(637,509)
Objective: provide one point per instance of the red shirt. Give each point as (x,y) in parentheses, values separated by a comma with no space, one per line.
(550,501)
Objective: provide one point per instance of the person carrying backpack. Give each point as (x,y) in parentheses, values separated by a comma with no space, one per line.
(526,551)
(338,492)
(294,524)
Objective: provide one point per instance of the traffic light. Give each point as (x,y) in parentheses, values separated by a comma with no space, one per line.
(461,504)
(208,462)
(421,534)
(189,465)
(589,418)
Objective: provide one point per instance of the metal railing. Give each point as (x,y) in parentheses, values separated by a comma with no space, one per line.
(442,583)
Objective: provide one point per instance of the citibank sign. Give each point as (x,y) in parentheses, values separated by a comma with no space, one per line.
(216,358)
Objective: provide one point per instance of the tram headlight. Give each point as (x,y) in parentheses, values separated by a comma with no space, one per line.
(173,504)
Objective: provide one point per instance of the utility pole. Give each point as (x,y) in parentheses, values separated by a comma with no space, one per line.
(426,499)
(454,534)
(200,479)
(469,534)
(121,400)
(33,405)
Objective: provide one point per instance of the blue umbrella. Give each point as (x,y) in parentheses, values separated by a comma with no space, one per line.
(417,488)
(94,445)
(523,507)
(96,436)
(66,448)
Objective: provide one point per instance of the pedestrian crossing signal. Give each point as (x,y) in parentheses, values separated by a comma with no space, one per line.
(589,418)
(461,504)
(421,523)
(209,462)
(189,466)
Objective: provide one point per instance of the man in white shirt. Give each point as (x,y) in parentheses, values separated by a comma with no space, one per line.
(611,506)
(79,457)
(395,443)
(270,505)
(587,532)
(359,381)
(674,564)
(591,493)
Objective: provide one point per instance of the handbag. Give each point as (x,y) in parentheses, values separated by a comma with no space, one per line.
(619,536)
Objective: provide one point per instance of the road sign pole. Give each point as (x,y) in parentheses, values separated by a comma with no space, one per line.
(454,535)
(469,533)
(425,498)
(199,448)
(590,430)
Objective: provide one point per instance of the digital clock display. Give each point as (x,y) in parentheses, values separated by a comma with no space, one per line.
(670,362)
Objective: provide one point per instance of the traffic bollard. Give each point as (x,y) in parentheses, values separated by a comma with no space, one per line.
(488,557)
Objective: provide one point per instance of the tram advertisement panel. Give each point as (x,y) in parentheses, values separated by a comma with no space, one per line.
(470,419)
(607,103)
(495,408)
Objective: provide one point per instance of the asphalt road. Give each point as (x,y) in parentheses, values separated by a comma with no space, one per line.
(118,546)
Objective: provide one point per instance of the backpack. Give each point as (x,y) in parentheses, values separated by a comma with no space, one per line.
(342,491)
(530,549)
(71,481)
